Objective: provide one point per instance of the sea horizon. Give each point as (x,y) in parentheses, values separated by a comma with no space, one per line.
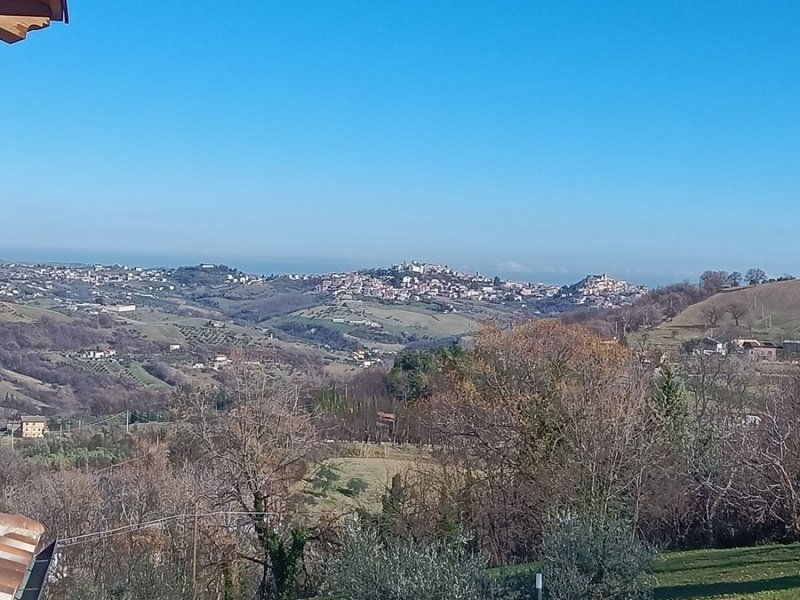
(288,265)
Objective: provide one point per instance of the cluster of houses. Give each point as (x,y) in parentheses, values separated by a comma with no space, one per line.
(98,354)
(28,282)
(215,364)
(367,357)
(754,350)
(414,282)
(602,291)
(45,276)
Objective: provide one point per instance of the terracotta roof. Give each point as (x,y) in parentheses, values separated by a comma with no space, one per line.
(18,17)
(19,537)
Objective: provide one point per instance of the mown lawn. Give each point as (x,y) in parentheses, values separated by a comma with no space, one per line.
(759,573)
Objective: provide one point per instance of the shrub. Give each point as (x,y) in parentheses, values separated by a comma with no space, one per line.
(589,559)
(368,569)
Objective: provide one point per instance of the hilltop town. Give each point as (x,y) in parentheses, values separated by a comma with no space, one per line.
(415,282)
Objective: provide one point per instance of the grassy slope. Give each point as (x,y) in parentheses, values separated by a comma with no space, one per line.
(413,319)
(24,313)
(372,464)
(780,301)
(759,573)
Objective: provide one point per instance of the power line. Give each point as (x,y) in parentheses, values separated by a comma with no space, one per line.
(102,535)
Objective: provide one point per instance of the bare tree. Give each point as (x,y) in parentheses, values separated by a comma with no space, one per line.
(550,416)
(257,450)
(737,310)
(772,458)
(712,315)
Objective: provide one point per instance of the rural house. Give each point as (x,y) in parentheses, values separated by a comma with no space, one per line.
(761,351)
(33,427)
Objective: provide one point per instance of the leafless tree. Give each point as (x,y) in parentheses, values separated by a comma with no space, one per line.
(256,451)
(737,310)
(712,315)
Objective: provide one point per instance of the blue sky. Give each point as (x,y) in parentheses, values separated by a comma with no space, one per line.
(650,140)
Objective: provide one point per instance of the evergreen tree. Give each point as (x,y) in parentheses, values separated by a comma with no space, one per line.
(392,504)
(671,401)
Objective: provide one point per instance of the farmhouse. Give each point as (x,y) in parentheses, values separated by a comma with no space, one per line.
(709,345)
(761,351)
(33,427)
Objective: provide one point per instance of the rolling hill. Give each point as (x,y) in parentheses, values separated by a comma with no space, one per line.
(770,311)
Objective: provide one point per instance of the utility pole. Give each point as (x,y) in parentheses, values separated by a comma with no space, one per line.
(194,555)
(127,421)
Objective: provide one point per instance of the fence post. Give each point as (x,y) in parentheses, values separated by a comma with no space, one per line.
(539,586)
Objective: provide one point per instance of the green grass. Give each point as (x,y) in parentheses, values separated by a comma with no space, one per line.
(759,573)
(26,313)
(137,370)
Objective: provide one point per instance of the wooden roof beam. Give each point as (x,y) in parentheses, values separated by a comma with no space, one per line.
(18,17)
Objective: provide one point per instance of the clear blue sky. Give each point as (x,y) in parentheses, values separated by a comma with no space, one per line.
(650,140)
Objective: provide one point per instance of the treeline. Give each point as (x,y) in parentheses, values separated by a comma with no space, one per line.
(547,415)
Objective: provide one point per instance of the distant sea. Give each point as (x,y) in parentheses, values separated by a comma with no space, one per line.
(290,265)
(248,264)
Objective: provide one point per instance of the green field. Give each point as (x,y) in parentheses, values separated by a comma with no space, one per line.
(374,465)
(759,573)
(395,318)
(25,313)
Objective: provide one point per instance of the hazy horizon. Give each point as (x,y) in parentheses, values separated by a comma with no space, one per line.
(650,141)
(266,265)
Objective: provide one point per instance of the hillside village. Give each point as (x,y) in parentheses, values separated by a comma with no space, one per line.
(415,282)
(20,281)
